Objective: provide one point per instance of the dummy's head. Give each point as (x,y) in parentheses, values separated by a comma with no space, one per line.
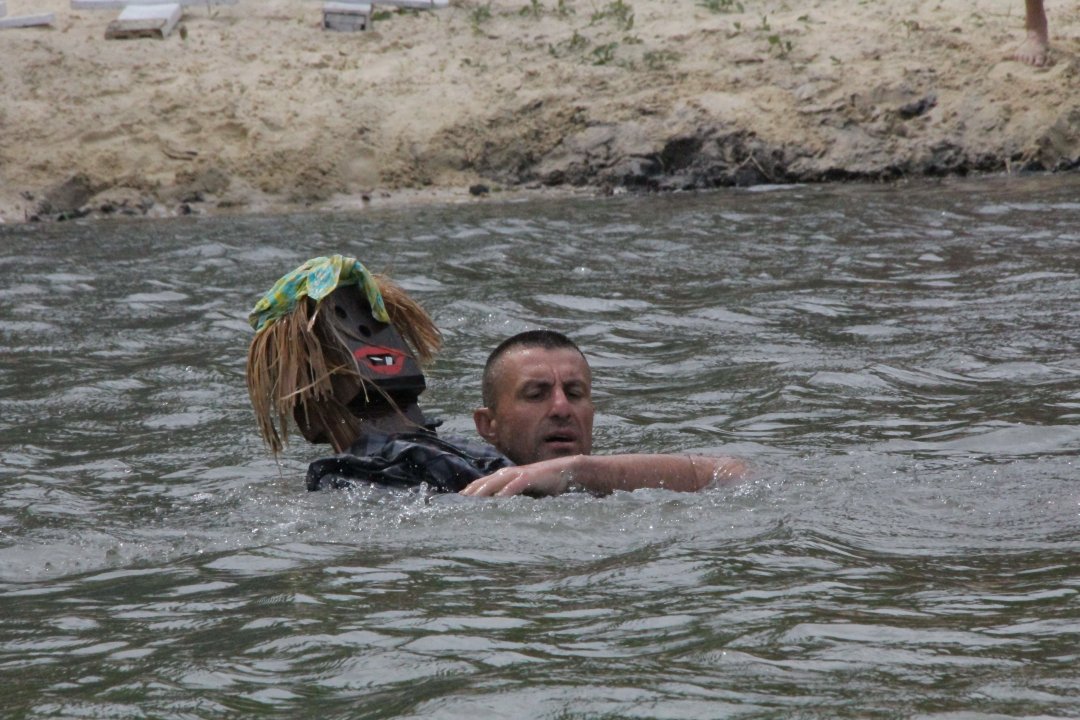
(335,346)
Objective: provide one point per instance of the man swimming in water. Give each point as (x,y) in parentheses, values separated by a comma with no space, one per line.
(337,354)
(538,411)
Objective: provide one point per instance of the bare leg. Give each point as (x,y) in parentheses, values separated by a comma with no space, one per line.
(1035,50)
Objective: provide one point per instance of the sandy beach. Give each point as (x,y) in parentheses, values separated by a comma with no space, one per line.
(254,107)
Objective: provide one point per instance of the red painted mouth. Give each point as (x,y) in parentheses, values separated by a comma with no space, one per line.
(381,360)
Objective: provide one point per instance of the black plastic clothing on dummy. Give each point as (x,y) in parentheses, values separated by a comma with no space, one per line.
(407,460)
(330,356)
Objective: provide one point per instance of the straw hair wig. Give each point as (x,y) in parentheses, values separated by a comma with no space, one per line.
(298,368)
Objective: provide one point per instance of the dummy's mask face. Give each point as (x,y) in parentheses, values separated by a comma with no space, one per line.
(382,357)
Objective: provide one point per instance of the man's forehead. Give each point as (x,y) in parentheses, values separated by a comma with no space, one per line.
(537,363)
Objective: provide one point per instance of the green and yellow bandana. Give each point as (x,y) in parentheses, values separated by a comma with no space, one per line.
(316,279)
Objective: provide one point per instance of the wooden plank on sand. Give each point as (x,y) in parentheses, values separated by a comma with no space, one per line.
(121,4)
(140,21)
(28,20)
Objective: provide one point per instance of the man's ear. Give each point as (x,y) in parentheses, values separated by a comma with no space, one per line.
(484,420)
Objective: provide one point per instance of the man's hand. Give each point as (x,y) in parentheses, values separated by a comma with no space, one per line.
(550,477)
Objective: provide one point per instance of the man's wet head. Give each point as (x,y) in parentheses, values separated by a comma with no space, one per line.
(537,393)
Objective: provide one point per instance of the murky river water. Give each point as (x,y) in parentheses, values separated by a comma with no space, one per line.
(900,365)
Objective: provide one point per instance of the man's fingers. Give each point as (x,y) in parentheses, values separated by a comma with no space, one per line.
(477,487)
(489,485)
(515,487)
(517,480)
(504,482)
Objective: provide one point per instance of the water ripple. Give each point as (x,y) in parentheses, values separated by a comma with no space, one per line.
(897,362)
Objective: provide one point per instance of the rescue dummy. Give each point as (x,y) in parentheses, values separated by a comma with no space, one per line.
(338,352)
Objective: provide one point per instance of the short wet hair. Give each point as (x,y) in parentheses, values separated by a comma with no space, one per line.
(544,339)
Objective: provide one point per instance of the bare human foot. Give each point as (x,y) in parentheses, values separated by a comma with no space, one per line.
(1035,50)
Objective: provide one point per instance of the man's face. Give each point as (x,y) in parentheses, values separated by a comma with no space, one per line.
(542,406)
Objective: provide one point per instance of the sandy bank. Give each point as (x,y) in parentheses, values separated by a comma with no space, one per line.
(253,106)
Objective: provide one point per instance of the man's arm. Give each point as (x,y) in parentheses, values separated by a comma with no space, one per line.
(604,474)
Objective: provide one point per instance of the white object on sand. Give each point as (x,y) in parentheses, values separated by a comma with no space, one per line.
(346,16)
(416,4)
(351,15)
(121,4)
(139,21)
(27,20)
